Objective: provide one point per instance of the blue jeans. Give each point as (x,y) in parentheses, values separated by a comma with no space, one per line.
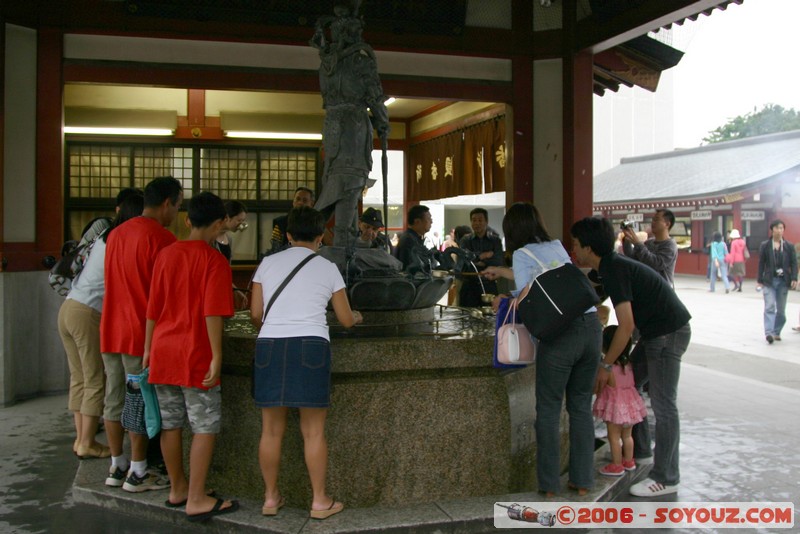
(663,355)
(641,431)
(775,296)
(722,271)
(567,364)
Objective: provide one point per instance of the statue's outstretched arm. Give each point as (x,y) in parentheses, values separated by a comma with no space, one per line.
(318,41)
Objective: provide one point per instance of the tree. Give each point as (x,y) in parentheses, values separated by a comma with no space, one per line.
(770,119)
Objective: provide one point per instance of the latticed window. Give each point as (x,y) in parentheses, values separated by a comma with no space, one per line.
(98,171)
(283,171)
(264,179)
(230,173)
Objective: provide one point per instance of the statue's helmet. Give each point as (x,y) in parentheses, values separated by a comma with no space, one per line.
(346,29)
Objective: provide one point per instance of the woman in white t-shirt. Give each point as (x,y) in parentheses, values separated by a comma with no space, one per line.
(79,328)
(293,356)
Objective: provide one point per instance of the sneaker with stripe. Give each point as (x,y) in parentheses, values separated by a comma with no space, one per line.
(650,488)
(148,482)
(116,477)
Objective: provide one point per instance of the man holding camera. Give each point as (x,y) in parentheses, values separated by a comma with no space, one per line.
(777,271)
(660,252)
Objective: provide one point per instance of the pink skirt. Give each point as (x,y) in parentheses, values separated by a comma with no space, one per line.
(620,405)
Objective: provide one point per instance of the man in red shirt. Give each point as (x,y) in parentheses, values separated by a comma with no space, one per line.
(130,255)
(189,296)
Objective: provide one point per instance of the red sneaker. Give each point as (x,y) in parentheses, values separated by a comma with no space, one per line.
(629,465)
(613,470)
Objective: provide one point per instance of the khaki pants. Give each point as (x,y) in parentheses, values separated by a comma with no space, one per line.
(79,328)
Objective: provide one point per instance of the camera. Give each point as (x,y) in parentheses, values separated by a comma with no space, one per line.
(626,224)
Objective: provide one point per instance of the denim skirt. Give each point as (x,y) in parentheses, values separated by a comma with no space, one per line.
(293,372)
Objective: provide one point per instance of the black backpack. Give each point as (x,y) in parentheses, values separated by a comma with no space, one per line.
(74,254)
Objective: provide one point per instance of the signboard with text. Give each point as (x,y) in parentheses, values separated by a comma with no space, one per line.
(752,215)
(701,215)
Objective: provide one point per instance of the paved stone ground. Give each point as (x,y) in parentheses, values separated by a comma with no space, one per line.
(738,399)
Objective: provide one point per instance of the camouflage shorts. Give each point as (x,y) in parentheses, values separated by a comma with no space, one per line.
(202,407)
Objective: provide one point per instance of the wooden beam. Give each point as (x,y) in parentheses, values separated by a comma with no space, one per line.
(104,17)
(596,36)
(251,79)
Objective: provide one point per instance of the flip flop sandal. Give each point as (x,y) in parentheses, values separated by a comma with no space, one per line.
(273,510)
(96,451)
(170,504)
(332,509)
(217,510)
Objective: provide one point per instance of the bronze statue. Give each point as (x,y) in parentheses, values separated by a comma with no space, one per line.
(354,104)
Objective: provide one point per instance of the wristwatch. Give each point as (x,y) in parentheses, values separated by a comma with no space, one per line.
(607,366)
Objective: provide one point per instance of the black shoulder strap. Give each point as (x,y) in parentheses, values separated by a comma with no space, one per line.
(285,282)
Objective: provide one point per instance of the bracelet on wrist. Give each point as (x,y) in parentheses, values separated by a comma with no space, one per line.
(607,366)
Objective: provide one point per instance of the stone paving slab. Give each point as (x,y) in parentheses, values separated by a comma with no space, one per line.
(453,516)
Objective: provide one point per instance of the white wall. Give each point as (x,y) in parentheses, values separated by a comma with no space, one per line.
(548,160)
(32,358)
(633,122)
(19,159)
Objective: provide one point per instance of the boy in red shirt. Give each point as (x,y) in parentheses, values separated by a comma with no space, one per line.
(189,296)
(131,252)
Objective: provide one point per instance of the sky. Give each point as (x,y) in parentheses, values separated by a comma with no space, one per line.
(737,60)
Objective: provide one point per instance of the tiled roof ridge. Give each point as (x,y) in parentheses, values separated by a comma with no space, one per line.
(724,145)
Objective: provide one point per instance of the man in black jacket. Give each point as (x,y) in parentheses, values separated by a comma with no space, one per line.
(643,299)
(777,271)
(488,250)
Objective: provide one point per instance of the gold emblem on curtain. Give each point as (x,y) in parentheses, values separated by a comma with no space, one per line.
(448,167)
(500,156)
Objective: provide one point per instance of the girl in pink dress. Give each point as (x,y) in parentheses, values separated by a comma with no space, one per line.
(621,407)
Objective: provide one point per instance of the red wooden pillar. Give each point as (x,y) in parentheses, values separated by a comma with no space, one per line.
(737,216)
(519,131)
(577,123)
(2,137)
(49,145)
(519,135)
(577,141)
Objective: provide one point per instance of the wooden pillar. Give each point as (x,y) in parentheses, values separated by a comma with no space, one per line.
(197,125)
(49,145)
(519,130)
(737,216)
(2,139)
(577,140)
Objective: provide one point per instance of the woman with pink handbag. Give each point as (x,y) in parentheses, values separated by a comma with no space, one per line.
(565,366)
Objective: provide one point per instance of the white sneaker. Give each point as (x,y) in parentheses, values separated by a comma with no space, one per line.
(647,460)
(650,488)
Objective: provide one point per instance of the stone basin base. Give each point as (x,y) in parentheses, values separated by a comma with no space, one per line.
(412,420)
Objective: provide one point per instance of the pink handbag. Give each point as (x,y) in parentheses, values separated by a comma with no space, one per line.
(515,346)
